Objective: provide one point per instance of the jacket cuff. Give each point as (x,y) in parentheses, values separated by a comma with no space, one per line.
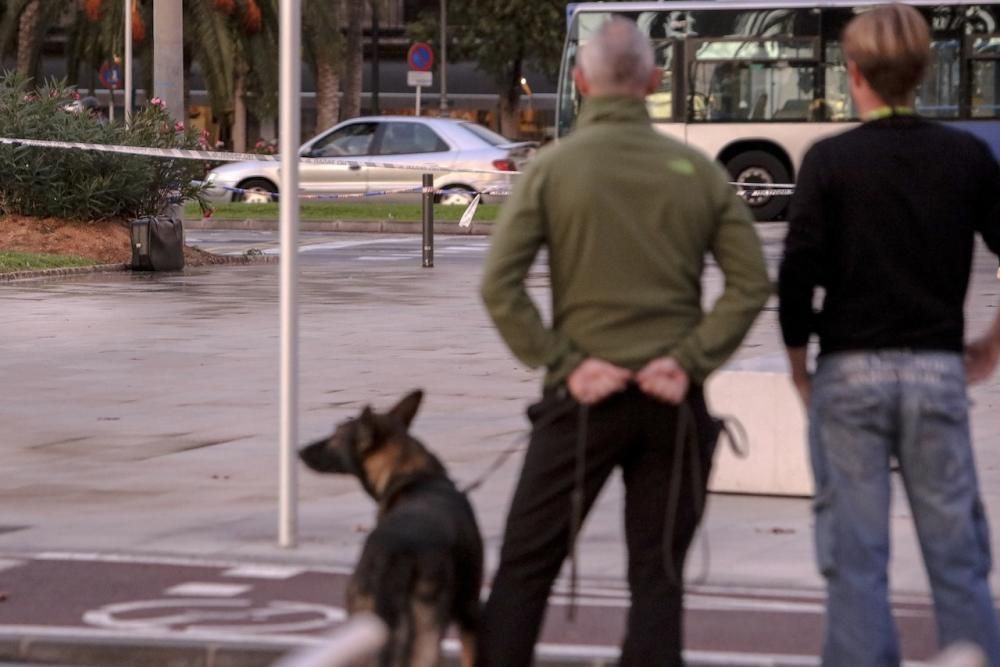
(696,374)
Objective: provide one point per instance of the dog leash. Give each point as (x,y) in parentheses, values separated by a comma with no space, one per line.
(518,446)
(576,503)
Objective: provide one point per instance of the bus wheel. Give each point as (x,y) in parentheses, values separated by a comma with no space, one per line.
(760,167)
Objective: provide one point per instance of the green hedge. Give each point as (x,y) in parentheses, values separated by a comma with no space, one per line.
(88,185)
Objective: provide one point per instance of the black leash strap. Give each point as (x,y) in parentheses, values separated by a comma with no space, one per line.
(681,440)
(518,446)
(576,504)
(496,465)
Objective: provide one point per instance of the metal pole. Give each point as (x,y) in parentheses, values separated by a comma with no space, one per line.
(444,56)
(128,62)
(376,62)
(290,92)
(418,101)
(428,220)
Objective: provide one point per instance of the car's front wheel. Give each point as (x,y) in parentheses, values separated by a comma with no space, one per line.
(456,196)
(256,191)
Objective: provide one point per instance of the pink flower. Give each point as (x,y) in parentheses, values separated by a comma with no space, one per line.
(157,102)
(178,126)
(75,94)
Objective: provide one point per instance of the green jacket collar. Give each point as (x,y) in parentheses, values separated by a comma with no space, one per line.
(613,110)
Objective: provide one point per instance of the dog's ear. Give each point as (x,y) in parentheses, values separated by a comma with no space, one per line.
(368,429)
(406,409)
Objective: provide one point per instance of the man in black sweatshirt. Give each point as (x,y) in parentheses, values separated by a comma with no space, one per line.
(884,220)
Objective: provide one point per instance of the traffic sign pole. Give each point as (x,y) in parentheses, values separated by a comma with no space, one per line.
(417,111)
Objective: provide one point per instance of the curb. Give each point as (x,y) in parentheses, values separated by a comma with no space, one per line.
(354,226)
(43,274)
(61,273)
(96,648)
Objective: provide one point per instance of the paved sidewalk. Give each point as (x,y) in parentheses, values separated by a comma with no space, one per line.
(140,417)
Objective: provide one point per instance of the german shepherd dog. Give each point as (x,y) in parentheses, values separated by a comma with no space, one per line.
(422,564)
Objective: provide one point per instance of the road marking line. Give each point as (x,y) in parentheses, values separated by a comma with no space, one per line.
(6,564)
(178,561)
(276,572)
(207,590)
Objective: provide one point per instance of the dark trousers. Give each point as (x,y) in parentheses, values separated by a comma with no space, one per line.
(639,434)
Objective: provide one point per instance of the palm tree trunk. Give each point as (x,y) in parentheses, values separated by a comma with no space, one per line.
(27,38)
(353,61)
(510,114)
(510,102)
(240,111)
(327,95)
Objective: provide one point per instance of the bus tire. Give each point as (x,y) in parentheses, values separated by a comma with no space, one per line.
(760,167)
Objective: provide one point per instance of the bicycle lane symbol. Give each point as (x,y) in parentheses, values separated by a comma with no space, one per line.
(216,615)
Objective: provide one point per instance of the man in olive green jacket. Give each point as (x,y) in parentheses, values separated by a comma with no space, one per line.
(627,217)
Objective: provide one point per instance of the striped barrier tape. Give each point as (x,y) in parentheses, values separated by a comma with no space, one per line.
(766,189)
(274,196)
(217,156)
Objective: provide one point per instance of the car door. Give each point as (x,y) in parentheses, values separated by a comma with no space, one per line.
(345,142)
(406,142)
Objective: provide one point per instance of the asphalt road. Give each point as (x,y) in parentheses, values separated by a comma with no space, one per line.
(167,446)
(59,591)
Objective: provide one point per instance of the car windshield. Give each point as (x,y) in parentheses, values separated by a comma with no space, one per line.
(487,135)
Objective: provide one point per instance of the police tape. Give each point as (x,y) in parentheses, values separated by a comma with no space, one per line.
(274,196)
(219,156)
(759,189)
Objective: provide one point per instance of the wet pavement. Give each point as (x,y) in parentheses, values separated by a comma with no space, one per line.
(141,418)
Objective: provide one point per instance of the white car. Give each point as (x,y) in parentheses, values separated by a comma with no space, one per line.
(453,145)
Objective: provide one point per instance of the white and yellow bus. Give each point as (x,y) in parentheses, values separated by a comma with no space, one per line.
(753,84)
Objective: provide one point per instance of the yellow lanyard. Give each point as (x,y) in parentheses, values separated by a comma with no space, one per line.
(888,112)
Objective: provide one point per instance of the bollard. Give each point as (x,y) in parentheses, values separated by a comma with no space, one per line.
(428,220)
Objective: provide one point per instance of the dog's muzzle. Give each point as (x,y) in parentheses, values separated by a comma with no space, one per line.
(322,457)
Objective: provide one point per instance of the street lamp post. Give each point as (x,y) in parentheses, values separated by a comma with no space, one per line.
(444,56)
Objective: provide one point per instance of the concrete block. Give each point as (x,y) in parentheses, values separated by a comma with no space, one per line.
(774,418)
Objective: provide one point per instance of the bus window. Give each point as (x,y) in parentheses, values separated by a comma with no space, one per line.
(754,80)
(986,77)
(661,103)
(938,95)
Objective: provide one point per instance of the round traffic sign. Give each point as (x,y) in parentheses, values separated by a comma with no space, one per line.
(421,57)
(111,75)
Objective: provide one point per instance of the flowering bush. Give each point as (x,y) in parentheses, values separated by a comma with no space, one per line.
(89,185)
(265,147)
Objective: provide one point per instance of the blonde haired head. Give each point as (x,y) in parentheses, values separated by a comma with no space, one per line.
(891,47)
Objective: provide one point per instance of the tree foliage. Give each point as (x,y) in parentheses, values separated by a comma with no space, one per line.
(504,37)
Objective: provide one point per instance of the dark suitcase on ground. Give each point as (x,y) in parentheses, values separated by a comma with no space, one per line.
(157,244)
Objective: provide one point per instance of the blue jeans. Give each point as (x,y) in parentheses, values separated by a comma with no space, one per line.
(866,407)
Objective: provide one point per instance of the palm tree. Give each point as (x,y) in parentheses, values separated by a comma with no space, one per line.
(234,43)
(95,36)
(323,51)
(353,60)
(27,22)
